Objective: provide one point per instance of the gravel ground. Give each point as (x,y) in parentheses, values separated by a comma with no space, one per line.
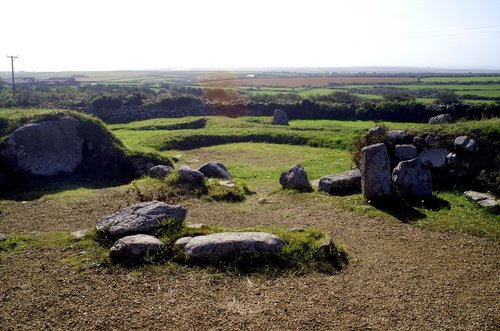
(400,277)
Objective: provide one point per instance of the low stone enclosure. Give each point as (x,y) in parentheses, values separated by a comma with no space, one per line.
(396,164)
(155,232)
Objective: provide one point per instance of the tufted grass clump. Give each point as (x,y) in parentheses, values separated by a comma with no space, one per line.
(171,189)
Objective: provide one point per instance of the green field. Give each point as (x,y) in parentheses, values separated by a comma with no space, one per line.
(462,79)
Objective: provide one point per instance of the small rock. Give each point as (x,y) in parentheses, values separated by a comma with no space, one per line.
(430,140)
(482,199)
(466,144)
(343,183)
(435,158)
(233,243)
(182,242)
(215,169)
(3,237)
(262,201)
(132,249)
(160,171)
(279,117)
(80,234)
(190,225)
(226,183)
(399,137)
(452,160)
(190,175)
(442,119)
(405,152)
(295,178)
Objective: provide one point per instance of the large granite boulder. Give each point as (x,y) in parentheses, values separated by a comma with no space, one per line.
(405,152)
(160,171)
(45,148)
(295,178)
(466,144)
(375,173)
(412,179)
(435,157)
(279,117)
(442,119)
(143,217)
(133,249)
(343,183)
(215,169)
(191,176)
(233,243)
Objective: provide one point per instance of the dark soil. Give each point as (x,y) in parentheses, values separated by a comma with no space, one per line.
(399,278)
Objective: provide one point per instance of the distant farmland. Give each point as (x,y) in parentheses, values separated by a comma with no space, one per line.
(305,81)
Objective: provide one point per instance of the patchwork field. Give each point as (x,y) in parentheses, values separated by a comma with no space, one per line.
(434,268)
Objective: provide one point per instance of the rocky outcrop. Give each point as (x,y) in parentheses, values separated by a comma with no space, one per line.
(133,249)
(442,119)
(412,180)
(279,117)
(295,178)
(142,217)
(160,171)
(45,148)
(343,183)
(233,243)
(375,173)
(215,169)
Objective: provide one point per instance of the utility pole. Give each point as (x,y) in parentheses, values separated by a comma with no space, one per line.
(12,57)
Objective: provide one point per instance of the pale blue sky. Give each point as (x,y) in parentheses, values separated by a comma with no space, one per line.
(54,35)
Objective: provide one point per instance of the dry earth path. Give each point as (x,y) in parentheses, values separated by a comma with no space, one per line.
(400,277)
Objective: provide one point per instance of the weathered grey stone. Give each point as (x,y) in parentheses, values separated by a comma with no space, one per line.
(182,242)
(3,237)
(190,225)
(375,132)
(430,140)
(190,175)
(132,249)
(160,171)
(399,137)
(375,173)
(482,199)
(295,178)
(142,217)
(215,169)
(466,144)
(442,119)
(80,234)
(45,148)
(343,183)
(226,183)
(233,243)
(279,117)
(435,158)
(405,152)
(412,179)
(297,230)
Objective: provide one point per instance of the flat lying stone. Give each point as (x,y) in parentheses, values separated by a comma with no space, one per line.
(142,217)
(80,234)
(132,249)
(345,182)
(482,199)
(182,242)
(229,243)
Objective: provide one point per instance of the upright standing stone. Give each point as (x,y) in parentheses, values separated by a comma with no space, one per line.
(295,178)
(375,173)
(280,117)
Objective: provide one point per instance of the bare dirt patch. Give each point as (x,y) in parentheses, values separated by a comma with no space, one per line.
(400,277)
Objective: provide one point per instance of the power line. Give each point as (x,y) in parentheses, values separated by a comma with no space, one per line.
(12,57)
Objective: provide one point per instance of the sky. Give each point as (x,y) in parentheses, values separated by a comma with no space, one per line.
(58,35)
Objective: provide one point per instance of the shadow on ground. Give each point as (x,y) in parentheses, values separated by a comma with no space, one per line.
(407,212)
